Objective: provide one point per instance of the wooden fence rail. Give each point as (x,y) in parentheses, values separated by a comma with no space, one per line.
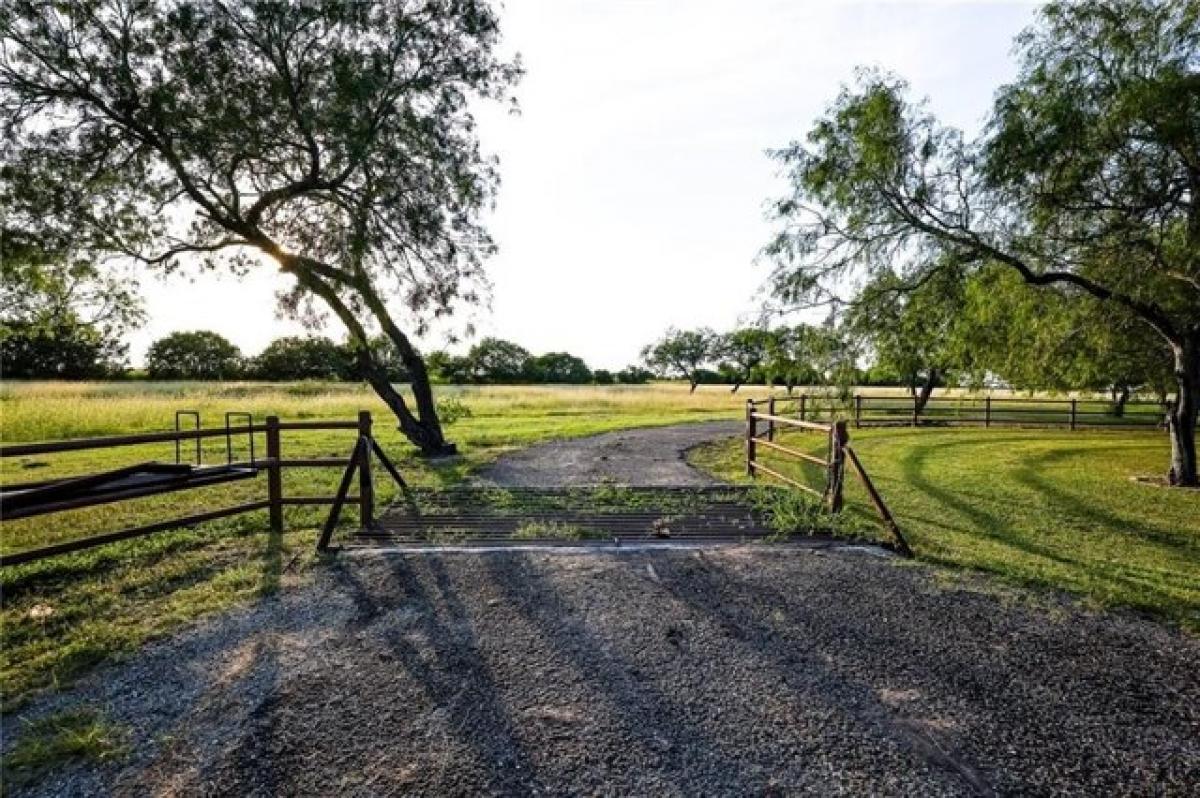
(833,464)
(984,411)
(150,479)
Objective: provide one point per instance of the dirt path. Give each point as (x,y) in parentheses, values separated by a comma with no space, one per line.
(650,456)
(742,671)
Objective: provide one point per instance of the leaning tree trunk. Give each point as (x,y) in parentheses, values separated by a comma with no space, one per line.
(423,429)
(1181,421)
(921,397)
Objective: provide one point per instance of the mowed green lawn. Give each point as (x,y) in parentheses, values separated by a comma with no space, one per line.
(1050,508)
(1047,507)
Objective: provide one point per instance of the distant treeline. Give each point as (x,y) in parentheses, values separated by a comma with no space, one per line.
(207,355)
(700,357)
(786,356)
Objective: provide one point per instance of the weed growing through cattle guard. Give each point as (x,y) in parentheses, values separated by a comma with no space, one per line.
(555,530)
(791,512)
(55,739)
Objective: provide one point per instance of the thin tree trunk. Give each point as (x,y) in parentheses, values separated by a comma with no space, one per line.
(921,398)
(1181,421)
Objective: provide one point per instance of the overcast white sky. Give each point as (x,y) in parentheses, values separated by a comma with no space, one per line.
(635,177)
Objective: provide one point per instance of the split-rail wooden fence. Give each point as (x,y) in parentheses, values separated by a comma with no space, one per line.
(764,421)
(982,411)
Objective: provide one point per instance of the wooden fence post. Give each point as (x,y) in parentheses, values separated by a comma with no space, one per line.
(751,431)
(837,464)
(274,475)
(803,401)
(987,411)
(1073,410)
(771,421)
(880,507)
(857,411)
(366,483)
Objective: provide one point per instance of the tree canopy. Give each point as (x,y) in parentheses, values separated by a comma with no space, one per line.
(335,138)
(915,333)
(497,360)
(61,316)
(303,358)
(198,355)
(744,351)
(1085,182)
(681,353)
(558,367)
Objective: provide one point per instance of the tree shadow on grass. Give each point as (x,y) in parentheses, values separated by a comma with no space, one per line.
(272,564)
(1001,532)
(1030,474)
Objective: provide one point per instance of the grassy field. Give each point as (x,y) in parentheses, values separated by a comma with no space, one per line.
(1050,508)
(1046,508)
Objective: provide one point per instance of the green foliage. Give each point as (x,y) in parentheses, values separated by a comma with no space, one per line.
(303,358)
(743,351)
(1037,340)
(914,332)
(337,139)
(633,375)
(681,353)
(1083,183)
(65,349)
(199,355)
(494,361)
(555,530)
(498,361)
(448,369)
(558,367)
(792,357)
(452,409)
(61,316)
(791,512)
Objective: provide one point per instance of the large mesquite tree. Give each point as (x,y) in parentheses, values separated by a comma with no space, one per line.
(333,137)
(1086,182)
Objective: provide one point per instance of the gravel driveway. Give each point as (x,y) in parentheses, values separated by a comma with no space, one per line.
(756,670)
(648,456)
